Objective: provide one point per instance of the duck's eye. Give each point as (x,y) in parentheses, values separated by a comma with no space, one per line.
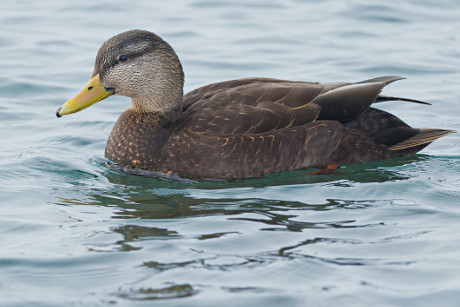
(123,58)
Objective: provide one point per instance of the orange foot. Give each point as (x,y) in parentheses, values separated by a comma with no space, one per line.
(328,168)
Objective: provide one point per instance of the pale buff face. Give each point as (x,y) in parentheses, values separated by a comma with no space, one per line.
(140,65)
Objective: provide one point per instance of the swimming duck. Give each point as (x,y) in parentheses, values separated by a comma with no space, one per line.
(241,128)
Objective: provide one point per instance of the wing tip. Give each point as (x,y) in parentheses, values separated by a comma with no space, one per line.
(384,79)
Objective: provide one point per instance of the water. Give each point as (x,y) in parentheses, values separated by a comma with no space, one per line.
(75,232)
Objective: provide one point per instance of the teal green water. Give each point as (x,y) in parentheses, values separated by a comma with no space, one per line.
(75,232)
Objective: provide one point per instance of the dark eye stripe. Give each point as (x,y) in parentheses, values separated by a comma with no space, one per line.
(131,56)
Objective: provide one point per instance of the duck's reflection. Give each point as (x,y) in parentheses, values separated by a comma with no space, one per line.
(175,232)
(146,198)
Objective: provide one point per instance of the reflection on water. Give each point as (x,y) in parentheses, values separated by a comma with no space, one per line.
(139,198)
(132,233)
(175,291)
(152,198)
(365,172)
(288,217)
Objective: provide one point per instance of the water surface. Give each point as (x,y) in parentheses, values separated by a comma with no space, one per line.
(77,232)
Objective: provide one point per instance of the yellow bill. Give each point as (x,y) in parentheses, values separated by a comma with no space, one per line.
(93,92)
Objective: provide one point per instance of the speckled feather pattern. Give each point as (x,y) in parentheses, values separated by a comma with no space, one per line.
(243,128)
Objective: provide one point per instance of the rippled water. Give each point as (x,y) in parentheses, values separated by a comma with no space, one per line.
(77,232)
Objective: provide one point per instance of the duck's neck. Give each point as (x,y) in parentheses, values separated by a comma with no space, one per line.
(138,137)
(161,101)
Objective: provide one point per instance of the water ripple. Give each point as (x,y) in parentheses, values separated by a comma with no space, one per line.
(78,230)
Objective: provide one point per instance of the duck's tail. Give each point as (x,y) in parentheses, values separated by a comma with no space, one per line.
(422,138)
(381,98)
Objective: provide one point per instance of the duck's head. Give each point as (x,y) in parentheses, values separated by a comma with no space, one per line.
(136,64)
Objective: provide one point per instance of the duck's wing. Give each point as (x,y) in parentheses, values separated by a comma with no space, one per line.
(259,105)
(250,106)
(209,90)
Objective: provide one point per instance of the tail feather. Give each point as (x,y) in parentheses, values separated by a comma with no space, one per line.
(425,136)
(381,98)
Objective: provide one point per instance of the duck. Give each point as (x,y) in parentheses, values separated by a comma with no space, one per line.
(238,129)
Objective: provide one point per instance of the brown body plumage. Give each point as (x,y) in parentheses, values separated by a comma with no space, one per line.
(242,128)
